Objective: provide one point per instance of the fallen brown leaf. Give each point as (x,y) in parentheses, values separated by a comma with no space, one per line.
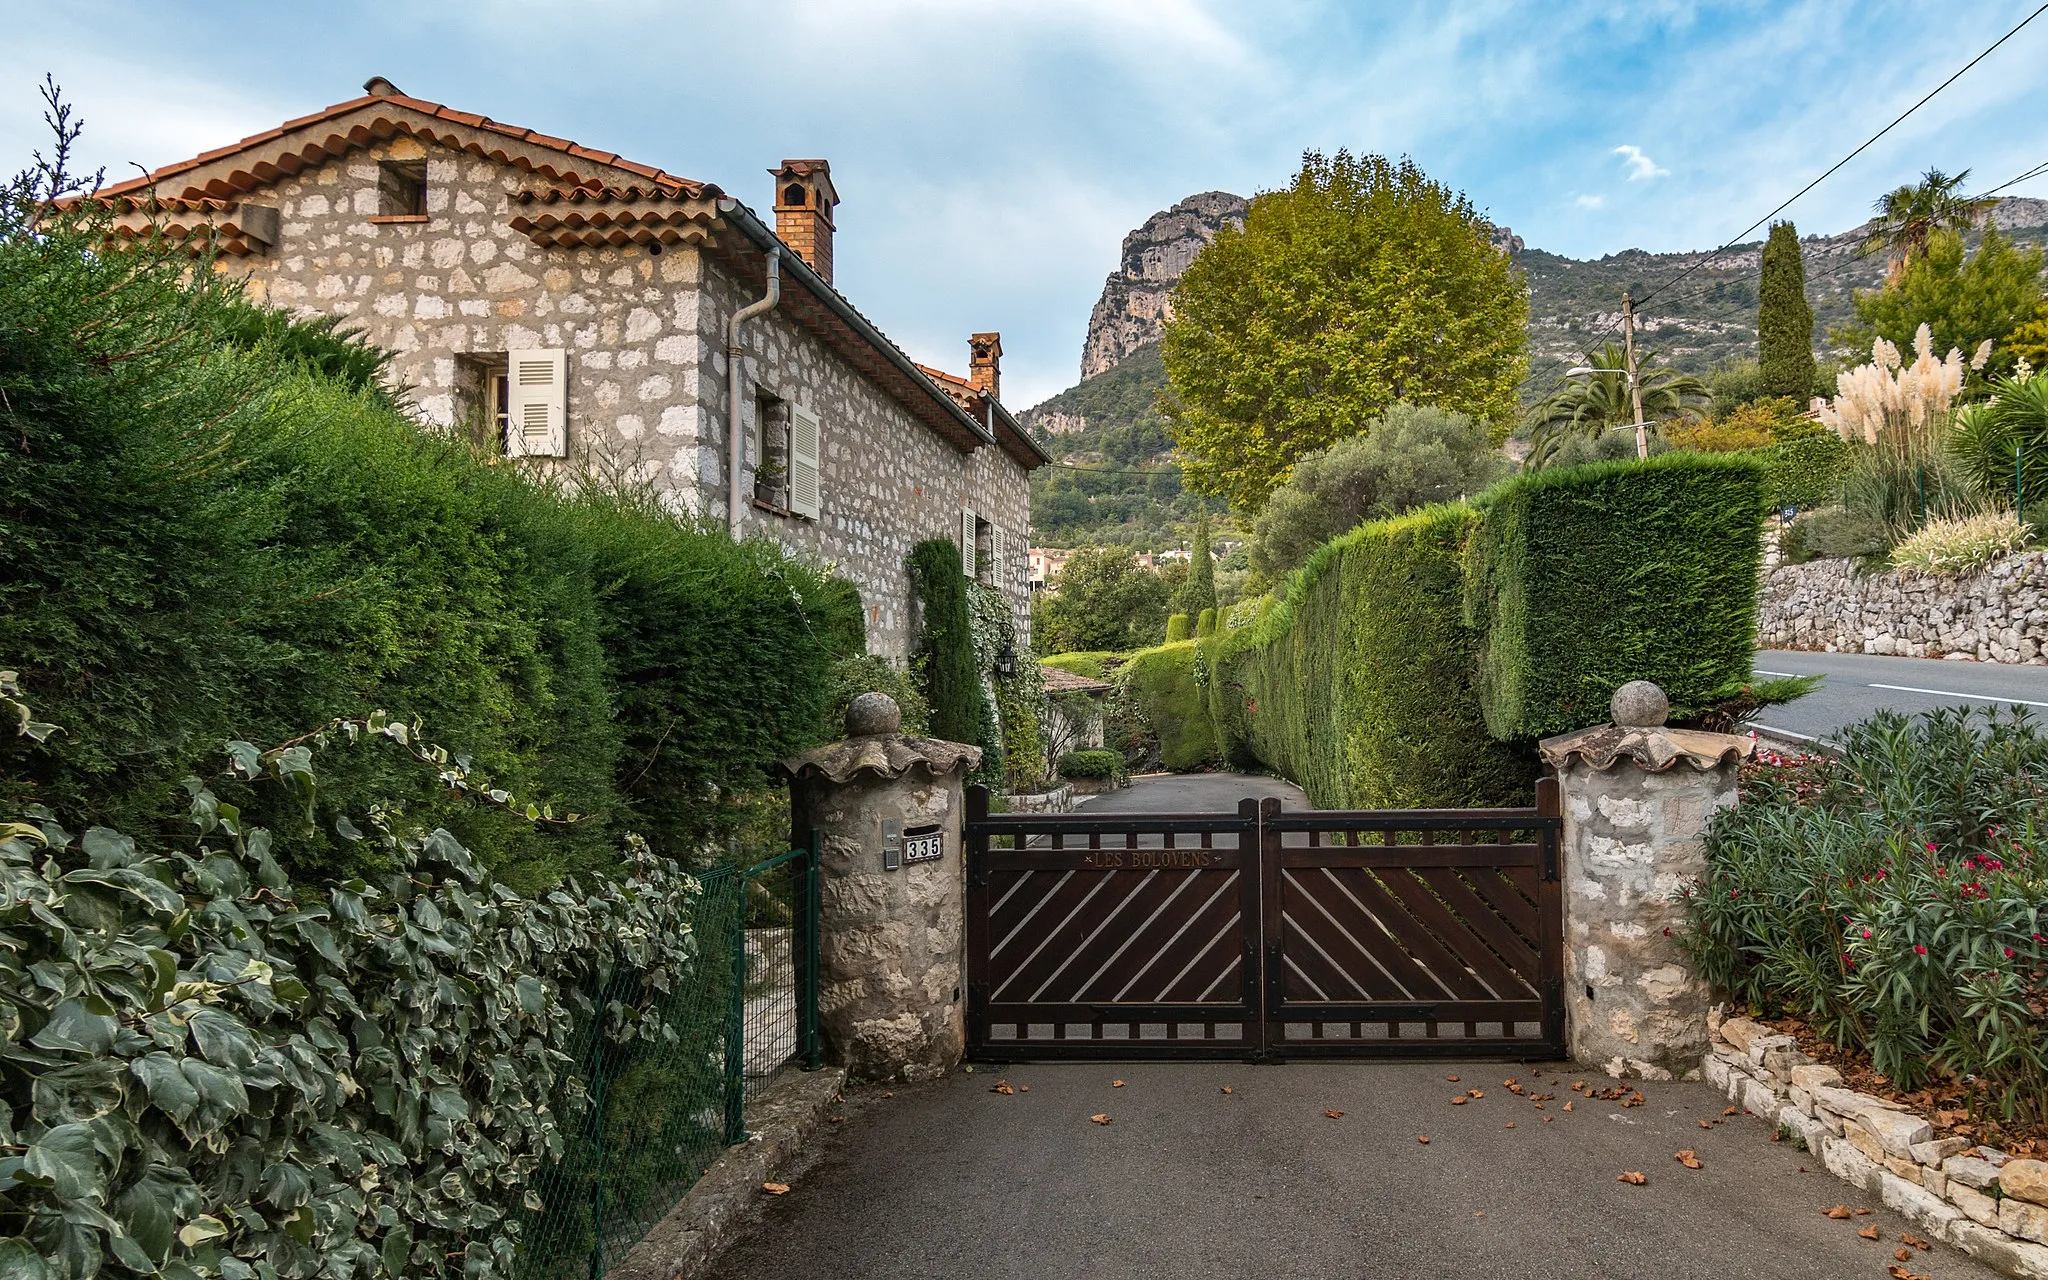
(1116,1084)
(1003,1087)
(1460,1100)
(1023,1088)
(1452,1079)
(1704,1124)
(1838,1212)
(1863,1213)
(1909,1238)
(1422,1138)
(1511,1124)
(1100,1118)
(1632,1178)
(1688,1157)
(1477,1093)
(1567,1106)
(889,1093)
(1334,1115)
(1778,1135)
(1228,1089)
(1548,1119)
(1902,1254)
(1732,1111)
(1868,1233)
(775,1188)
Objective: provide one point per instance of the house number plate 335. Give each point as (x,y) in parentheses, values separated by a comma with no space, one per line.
(924,847)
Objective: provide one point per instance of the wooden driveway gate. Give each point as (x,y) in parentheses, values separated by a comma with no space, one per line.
(1265,934)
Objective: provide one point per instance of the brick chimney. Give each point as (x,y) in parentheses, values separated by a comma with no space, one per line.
(803,211)
(985,363)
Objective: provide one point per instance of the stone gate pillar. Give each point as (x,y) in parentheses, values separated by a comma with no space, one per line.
(1637,799)
(892,891)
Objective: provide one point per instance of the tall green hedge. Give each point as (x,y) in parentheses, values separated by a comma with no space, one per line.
(1804,471)
(1583,578)
(945,642)
(1359,685)
(1163,688)
(203,538)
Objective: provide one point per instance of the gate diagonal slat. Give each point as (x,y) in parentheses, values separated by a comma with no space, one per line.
(1418,946)
(1314,974)
(1505,897)
(1153,901)
(1427,912)
(1215,909)
(1082,927)
(1114,978)
(1476,915)
(1405,975)
(1055,910)
(1223,948)
(1021,901)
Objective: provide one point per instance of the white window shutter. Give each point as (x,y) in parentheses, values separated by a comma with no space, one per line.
(1000,566)
(805,446)
(968,560)
(537,404)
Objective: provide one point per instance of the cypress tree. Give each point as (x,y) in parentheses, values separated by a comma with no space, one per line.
(1784,318)
(1199,593)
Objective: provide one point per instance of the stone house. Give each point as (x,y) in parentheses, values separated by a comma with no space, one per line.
(571,308)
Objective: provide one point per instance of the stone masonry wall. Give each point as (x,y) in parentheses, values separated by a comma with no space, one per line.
(886,482)
(646,366)
(1999,614)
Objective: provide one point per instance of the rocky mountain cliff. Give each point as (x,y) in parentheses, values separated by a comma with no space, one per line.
(1133,302)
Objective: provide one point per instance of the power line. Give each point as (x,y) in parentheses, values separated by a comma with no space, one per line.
(1837,165)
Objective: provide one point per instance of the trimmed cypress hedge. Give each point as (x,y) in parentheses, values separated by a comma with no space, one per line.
(1581,579)
(952,682)
(1178,628)
(205,539)
(1162,687)
(1359,685)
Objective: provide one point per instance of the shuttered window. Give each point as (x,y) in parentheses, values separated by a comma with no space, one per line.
(1000,565)
(805,445)
(537,404)
(967,556)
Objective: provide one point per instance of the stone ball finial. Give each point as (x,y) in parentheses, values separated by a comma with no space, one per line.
(873,714)
(1639,704)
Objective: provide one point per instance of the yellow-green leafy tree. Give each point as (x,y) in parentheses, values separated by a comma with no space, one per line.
(1361,284)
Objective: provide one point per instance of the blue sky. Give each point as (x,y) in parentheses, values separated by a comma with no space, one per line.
(991,155)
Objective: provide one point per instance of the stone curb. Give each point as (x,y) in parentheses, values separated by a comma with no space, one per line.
(1998,614)
(728,1197)
(1977,1199)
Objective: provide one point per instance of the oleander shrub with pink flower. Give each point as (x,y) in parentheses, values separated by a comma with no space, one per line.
(1894,898)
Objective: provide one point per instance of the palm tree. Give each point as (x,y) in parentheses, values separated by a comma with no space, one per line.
(1907,216)
(1594,403)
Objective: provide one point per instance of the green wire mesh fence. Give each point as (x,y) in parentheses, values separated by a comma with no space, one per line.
(662,1080)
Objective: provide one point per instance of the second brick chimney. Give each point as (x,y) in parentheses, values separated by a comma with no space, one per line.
(985,363)
(803,211)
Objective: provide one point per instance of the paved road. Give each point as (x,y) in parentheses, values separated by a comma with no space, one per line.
(1858,684)
(950,1181)
(1195,793)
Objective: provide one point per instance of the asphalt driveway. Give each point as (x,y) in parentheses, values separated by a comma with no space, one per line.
(949,1180)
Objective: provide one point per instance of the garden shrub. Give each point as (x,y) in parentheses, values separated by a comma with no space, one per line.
(1091,762)
(1359,685)
(1581,579)
(1895,899)
(1161,689)
(1177,628)
(866,673)
(1098,665)
(205,535)
(1833,533)
(219,1072)
(1962,545)
(1804,468)
(1205,625)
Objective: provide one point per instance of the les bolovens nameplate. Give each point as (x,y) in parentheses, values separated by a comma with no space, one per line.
(924,847)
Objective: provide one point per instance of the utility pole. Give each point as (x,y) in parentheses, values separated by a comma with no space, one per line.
(1635,389)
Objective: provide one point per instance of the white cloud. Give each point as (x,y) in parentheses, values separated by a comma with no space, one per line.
(1640,166)
(1590,202)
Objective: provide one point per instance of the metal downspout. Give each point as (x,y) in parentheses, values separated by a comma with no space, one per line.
(735,364)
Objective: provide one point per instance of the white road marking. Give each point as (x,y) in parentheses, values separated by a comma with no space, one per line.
(1968,697)
(1760,671)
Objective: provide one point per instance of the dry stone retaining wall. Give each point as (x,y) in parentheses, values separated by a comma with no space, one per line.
(1973,1198)
(1999,614)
